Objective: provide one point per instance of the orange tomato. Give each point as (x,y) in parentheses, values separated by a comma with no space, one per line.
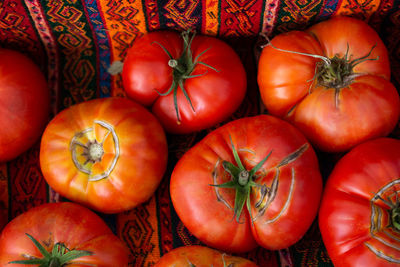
(109,154)
(340,96)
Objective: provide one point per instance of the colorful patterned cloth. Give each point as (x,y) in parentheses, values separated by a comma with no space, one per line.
(75,42)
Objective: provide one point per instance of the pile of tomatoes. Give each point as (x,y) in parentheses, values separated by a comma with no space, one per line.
(253,181)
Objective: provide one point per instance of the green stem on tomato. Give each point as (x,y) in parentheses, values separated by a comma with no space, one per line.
(337,72)
(59,256)
(242,181)
(183,67)
(395,217)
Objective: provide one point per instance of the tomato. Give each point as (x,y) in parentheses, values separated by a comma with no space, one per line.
(190,84)
(359,217)
(253,181)
(109,154)
(61,229)
(201,256)
(339,98)
(24,103)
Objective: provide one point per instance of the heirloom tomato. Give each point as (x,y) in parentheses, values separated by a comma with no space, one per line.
(201,256)
(332,82)
(254,181)
(24,103)
(359,217)
(109,154)
(60,234)
(190,84)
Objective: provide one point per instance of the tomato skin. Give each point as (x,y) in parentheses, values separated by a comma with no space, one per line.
(215,95)
(134,159)
(75,226)
(335,34)
(292,208)
(200,256)
(350,203)
(369,97)
(288,90)
(282,85)
(24,103)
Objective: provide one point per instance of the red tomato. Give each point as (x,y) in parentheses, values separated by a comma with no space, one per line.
(359,217)
(61,228)
(339,99)
(24,103)
(207,70)
(201,256)
(268,194)
(109,154)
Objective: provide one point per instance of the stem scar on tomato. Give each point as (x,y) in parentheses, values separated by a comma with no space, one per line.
(183,68)
(394,209)
(58,257)
(87,150)
(243,182)
(382,218)
(336,72)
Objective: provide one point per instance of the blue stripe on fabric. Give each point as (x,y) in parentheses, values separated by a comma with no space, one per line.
(103,46)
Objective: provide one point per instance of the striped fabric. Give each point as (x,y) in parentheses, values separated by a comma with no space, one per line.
(75,42)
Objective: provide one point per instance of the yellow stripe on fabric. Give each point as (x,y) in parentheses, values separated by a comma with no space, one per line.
(124,21)
(361,8)
(211,15)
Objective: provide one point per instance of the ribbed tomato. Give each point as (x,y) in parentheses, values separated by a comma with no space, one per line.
(332,82)
(254,181)
(109,154)
(359,216)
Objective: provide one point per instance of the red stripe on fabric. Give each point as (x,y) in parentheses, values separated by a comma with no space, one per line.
(49,42)
(152,17)
(240,18)
(17,31)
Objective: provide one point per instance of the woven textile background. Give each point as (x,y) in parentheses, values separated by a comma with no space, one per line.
(75,41)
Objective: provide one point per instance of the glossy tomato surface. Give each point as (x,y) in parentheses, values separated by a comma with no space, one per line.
(201,256)
(281,197)
(109,154)
(359,215)
(72,225)
(215,84)
(336,105)
(24,103)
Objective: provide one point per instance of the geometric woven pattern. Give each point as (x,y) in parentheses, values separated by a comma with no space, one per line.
(75,41)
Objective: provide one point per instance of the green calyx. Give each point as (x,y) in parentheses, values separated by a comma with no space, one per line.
(242,181)
(338,72)
(393,211)
(183,67)
(59,256)
(395,217)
